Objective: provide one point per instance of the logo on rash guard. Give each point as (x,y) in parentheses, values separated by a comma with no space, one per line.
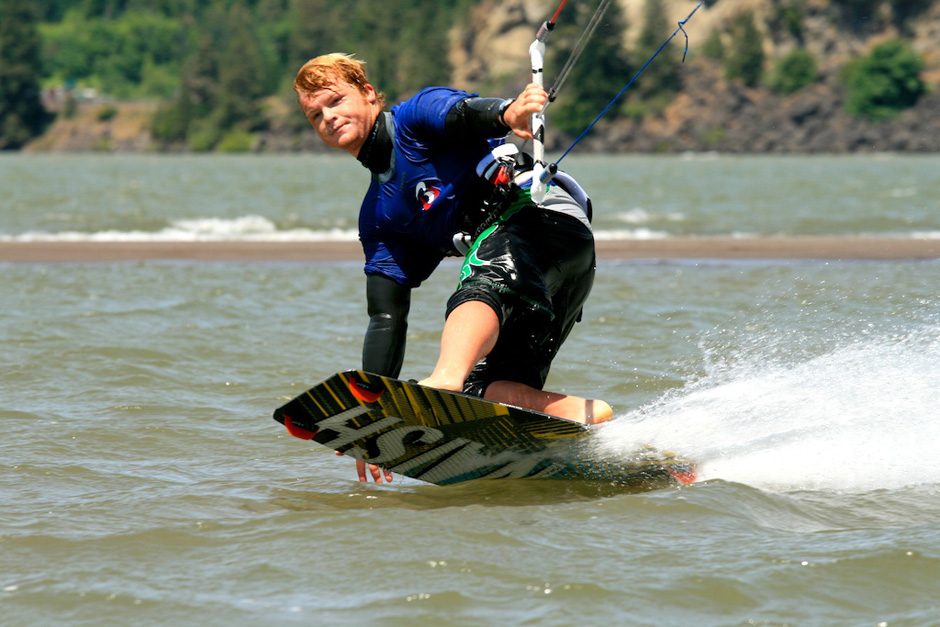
(427,192)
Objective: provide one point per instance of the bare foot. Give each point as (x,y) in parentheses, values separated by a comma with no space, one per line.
(597,412)
(441,384)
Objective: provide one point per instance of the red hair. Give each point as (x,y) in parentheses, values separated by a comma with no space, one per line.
(331,68)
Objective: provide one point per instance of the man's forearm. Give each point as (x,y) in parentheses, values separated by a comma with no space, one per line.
(383,349)
(477,117)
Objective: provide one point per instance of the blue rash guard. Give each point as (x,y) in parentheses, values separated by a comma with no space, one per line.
(405,228)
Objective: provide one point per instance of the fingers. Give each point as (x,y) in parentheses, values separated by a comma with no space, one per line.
(534,95)
(361,470)
(376,472)
(518,115)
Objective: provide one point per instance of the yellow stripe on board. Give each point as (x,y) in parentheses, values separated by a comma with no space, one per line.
(436,403)
(404,402)
(317,403)
(338,400)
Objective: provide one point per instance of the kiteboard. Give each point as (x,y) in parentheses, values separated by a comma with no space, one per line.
(445,437)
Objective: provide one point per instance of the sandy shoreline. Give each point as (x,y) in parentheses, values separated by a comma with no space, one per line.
(829,248)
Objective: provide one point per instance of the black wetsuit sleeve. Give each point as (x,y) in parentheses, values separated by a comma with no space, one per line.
(477,117)
(383,349)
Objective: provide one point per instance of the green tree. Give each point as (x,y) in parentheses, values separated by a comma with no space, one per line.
(273,32)
(22,115)
(315,25)
(662,75)
(885,82)
(403,44)
(603,68)
(130,55)
(794,71)
(745,57)
(223,83)
(371,30)
(423,45)
(786,16)
(714,48)
(197,98)
(241,74)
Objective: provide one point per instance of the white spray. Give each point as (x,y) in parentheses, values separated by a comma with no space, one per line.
(862,417)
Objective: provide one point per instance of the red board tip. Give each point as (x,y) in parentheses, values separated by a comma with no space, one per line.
(298,432)
(684,476)
(361,392)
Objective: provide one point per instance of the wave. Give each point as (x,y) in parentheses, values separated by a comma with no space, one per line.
(245,229)
(241,229)
(630,234)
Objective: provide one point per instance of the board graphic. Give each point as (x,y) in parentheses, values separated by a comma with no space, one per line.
(445,437)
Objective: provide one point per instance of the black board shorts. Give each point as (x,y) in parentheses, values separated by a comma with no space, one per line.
(535,269)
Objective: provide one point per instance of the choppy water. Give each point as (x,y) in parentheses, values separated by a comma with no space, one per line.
(143,481)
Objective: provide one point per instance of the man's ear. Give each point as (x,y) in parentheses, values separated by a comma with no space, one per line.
(370,94)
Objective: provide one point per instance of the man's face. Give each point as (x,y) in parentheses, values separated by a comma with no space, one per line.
(341,114)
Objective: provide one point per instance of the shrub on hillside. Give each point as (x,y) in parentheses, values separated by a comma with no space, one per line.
(794,72)
(714,48)
(744,59)
(887,81)
(236,140)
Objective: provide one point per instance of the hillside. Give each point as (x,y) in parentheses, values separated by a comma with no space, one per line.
(487,52)
(713,113)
